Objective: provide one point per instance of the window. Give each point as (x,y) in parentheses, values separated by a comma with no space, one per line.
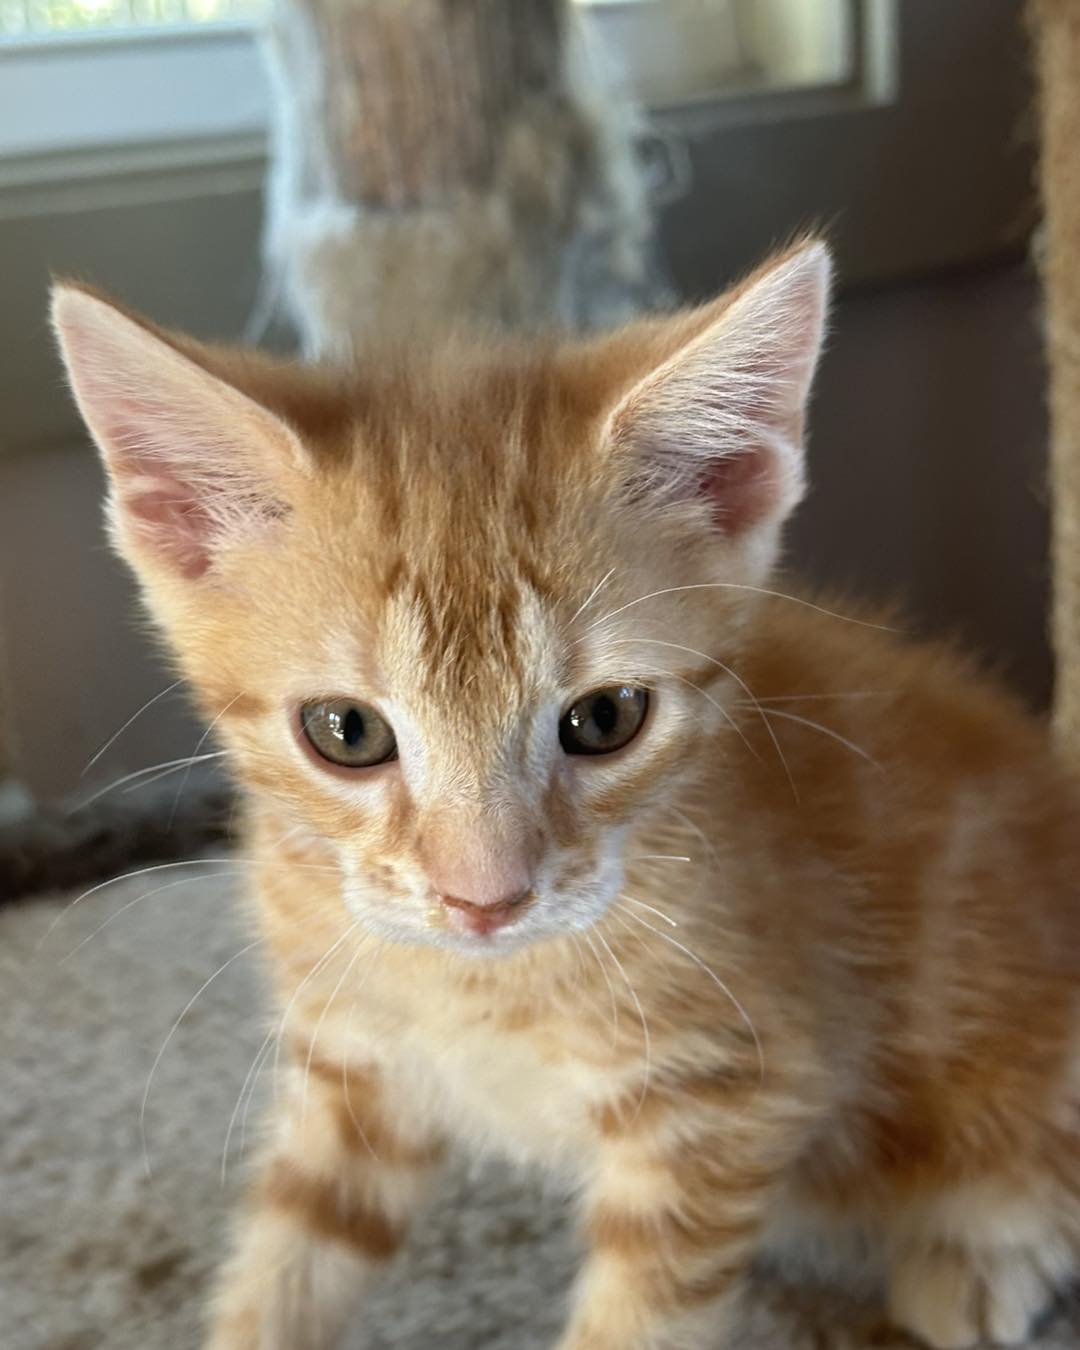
(137,156)
(82,75)
(54,18)
(667,48)
(672,52)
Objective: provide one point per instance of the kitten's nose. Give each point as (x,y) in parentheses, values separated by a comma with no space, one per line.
(482,917)
(482,873)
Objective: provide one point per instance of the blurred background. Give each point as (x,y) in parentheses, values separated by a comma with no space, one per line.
(163,150)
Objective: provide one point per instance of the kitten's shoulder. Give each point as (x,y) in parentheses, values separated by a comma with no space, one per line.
(868,664)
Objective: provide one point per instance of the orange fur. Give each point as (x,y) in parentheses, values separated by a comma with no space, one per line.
(806,949)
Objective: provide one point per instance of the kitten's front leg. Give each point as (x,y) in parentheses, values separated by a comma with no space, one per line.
(330,1207)
(672,1223)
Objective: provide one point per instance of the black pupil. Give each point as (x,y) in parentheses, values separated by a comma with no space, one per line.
(605,714)
(352,727)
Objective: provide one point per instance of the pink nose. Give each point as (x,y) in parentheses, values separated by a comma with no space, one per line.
(469,916)
(480,868)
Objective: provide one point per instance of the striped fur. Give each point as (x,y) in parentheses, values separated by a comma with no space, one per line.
(802,957)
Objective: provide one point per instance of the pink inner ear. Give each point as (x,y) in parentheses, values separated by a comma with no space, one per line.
(172,523)
(742,488)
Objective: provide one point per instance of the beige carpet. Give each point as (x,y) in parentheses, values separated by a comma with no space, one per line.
(93,1253)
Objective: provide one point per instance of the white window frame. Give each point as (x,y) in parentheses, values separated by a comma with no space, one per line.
(75,106)
(914,165)
(78,106)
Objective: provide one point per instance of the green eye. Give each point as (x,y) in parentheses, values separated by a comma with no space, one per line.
(603,721)
(351,734)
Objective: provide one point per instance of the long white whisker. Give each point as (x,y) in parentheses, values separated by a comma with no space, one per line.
(582,984)
(658,912)
(318,1027)
(169,766)
(250,1098)
(715,703)
(743,686)
(128,876)
(345,1080)
(322,961)
(184,765)
(290,833)
(693,827)
(660,857)
(641,1014)
(172,1032)
(146,895)
(253,1067)
(611,991)
(134,717)
(712,976)
(810,698)
(738,586)
(592,596)
(825,731)
(201,742)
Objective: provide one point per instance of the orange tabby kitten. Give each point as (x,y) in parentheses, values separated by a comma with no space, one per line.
(576,841)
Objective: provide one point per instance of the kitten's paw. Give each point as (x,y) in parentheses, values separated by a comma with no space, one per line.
(954,1300)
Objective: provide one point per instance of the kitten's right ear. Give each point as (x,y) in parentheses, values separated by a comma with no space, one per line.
(194,463)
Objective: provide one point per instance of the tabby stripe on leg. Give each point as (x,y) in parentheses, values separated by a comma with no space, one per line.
(361,1125)
(329,1211)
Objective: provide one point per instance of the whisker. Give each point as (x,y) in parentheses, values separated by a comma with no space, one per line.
(611,991)
(163,693)
(825,731)
(583,984)
(711,974)
(172,1032)
(169,765)
(146,895)
(693,827)
(739,586)
(128,876)
(322,961)
(808,698)
(658,912)
(659,857)
(250,1098)
(641,1014)
(199,745)
(724,713)
(345,1081)
(742,685)
(259,1057)
(592,596)
(290,833)
(318,1027)
(185,765)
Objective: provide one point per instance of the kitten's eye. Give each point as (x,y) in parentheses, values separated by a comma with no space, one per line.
(603,721)
(347,733)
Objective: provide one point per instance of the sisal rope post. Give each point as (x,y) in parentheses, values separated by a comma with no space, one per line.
(1056,25)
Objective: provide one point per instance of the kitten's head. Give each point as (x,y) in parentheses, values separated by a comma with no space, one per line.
(462,614)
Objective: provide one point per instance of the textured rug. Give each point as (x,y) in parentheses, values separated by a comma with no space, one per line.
(97,1254)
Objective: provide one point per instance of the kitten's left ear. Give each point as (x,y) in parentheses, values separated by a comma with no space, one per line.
(719,422)
(194,463)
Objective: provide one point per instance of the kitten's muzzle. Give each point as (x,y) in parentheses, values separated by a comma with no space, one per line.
(481,918)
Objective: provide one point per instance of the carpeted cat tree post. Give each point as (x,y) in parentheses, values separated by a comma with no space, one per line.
(445,161)
(15,802)
(1056,25)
